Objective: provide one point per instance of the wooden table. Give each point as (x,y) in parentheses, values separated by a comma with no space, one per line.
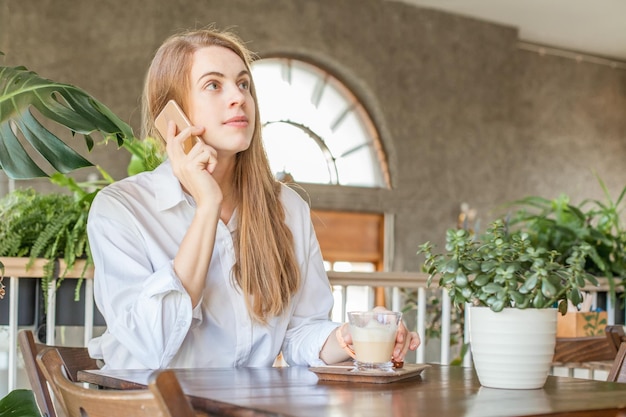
(439,391)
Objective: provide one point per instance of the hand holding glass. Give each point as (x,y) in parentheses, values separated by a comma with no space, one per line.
(373,338)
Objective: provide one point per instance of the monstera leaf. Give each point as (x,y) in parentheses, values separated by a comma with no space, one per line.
(19,402)
(21,91)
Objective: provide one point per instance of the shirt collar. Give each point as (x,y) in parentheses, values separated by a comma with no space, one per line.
(168,192)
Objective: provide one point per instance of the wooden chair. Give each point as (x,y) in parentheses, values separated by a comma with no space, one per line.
(73,359)
(590,348)
(618,370)
(615,335)
(583,349)
(164,398)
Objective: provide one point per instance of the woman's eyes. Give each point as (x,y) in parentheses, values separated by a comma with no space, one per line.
(214,85)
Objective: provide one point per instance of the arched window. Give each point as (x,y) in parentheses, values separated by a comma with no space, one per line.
(314,128)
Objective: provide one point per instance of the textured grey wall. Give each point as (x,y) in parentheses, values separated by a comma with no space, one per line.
(464,115)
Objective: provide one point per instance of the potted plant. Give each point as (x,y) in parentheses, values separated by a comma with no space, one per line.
(21,92)
(557,224)
(513,290)
(50,226)
(54,226)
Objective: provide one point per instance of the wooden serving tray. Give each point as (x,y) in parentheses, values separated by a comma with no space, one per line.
(346,373)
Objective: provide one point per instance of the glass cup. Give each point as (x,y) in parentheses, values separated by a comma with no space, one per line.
(373,338)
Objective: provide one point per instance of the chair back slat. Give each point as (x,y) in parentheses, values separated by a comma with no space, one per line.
(29,348)
(615,335)
(618,370)
(168,392)
(74,359)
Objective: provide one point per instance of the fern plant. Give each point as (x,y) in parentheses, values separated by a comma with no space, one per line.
(49,226)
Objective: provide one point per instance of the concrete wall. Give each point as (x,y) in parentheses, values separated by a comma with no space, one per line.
(464,114)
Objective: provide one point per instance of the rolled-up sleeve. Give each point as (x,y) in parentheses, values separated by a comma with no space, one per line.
(148,311)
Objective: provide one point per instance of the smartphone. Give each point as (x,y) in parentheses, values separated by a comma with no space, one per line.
(172,111)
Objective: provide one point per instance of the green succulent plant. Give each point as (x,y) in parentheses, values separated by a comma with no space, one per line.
(503,268)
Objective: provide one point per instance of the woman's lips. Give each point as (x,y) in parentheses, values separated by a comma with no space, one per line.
(237,121)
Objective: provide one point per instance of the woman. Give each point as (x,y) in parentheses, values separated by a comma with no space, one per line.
(207,261)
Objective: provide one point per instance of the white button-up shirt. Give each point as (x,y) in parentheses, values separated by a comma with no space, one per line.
(135,228)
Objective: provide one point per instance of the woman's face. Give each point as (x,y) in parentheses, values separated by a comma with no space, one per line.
(220,99)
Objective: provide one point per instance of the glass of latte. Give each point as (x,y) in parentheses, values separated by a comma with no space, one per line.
(373,338)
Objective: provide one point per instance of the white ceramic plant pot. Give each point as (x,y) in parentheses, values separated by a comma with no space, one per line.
(512,349)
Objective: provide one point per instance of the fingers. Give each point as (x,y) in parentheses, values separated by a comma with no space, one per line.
(205,155)
(212,162)
(414,341)
(411,340)
(405,341)
(175,141)
(200,152)
(345,333)
(399,350)
(402,348)
(170,140)
(345,339)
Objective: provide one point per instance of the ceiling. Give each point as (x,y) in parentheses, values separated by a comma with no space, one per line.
(594,27)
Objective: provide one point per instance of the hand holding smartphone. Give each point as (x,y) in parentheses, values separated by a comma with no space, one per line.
(172,111)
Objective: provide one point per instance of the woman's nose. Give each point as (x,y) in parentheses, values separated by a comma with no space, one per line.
(237,97)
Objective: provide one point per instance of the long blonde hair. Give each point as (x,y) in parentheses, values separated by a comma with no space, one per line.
(266,268)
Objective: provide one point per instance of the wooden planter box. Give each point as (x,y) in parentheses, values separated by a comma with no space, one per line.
(578,324)
(30,306)
(16,267)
